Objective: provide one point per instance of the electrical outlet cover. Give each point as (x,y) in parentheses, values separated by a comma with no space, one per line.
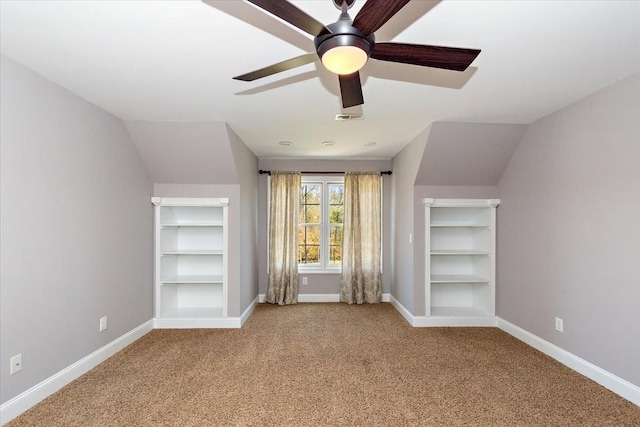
(103,323)
(16,364)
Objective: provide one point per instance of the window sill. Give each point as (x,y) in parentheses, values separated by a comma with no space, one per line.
(319,271)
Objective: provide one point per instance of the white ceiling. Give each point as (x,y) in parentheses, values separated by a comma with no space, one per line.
(174,61)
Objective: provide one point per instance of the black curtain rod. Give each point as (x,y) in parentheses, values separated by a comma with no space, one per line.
(262,172)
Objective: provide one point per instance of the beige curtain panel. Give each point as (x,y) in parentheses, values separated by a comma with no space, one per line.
(284,199)
(361,280)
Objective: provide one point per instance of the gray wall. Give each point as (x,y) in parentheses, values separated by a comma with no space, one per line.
(247,170)
(77,229)
(405,166)
(324,283)
(185,152)
(463,154)
(569,233)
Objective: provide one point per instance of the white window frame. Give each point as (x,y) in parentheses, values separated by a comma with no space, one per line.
(323,266)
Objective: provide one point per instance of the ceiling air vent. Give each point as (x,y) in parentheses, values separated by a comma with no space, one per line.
(343,117)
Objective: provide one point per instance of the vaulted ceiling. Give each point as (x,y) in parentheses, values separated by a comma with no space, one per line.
(173,61)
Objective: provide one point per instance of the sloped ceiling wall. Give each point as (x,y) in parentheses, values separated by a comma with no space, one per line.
(469,154)
(455,154)
(185,152)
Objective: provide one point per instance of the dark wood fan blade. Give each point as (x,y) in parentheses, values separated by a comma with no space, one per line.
(375,13)
(296,17)
(449,58)
(279,67)
(351,90)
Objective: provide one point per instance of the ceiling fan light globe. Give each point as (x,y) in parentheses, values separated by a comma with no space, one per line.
(344,60)
(343,54)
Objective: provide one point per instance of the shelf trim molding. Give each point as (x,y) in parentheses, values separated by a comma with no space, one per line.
(461,203)
(190,201)
(195,224)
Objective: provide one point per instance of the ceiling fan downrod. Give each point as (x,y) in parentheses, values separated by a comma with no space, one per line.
(339,4)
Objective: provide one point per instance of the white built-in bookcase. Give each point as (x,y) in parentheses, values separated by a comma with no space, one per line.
(190,261)
(460,242)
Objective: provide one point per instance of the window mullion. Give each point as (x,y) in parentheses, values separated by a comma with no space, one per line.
(324,221)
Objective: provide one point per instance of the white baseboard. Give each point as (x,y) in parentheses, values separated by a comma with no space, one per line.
(451,321)
(404,312)
(214,323)
(197,323)
(439,321)
(248,311)
(321,298)
(19,404)
(606,379)
(25,400)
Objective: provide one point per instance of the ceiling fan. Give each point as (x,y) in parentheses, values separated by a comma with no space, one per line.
(345,46)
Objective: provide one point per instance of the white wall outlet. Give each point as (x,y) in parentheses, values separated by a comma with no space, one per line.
(559,324)
(305,280)
(103,323)
(410,237)
(16,364)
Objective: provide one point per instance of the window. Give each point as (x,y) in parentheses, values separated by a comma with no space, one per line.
(320,223)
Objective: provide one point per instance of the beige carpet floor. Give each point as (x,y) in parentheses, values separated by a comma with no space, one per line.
(331,365)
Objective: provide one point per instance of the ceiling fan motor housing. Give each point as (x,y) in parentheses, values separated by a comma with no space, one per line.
(344,49)
(343,33)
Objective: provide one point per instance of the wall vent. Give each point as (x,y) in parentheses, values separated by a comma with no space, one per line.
(343,117)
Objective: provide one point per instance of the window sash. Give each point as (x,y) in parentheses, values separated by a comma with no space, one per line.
(326,226)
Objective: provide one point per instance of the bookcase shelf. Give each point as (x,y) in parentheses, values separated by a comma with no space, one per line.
(193,252)
(193,279)
(457,278)
(190,261)
(460,261)
(458,252)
